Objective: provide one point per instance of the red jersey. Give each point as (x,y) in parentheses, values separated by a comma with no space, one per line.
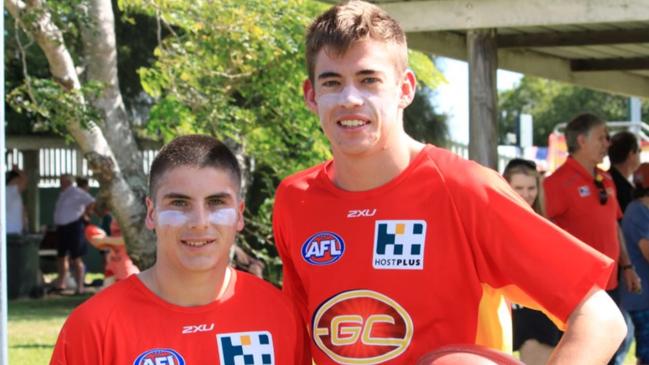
(386,275)
(572,202)
(128,324)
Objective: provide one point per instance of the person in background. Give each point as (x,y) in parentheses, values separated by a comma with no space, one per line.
(118,265)
(624,156)
(635,226)
(581,198)
(84,184)
(71,206)
(535,336)
(16,214)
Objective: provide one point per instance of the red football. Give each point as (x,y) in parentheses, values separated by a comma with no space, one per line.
(92,231)
(467,355)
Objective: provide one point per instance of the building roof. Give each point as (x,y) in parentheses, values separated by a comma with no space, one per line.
(600,44)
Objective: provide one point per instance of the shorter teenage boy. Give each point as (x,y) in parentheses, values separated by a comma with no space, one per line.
(189,307)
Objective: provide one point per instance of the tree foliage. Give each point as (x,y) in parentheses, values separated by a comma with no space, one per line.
(422,122)
(551,102)
(232,69)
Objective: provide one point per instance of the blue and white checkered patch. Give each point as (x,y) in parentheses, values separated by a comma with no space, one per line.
(246,348)
(399,245)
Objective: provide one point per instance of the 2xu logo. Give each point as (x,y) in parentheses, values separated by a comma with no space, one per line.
(362,327)
(356,213)
(199,328)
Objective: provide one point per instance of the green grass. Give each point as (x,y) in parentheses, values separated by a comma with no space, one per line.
(34,325)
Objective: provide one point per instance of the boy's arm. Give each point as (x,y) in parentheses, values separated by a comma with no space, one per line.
(594,331)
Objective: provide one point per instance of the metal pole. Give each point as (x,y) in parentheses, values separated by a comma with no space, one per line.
(4,358)
(635,115)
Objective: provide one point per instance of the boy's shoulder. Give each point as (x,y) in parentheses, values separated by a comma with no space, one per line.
(252,285)
(303,178)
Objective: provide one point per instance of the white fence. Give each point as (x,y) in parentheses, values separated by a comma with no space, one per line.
(54,162)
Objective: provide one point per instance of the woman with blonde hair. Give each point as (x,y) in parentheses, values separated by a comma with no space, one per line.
(535,336)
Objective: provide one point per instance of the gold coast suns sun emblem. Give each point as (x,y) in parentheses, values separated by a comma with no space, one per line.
(362,327)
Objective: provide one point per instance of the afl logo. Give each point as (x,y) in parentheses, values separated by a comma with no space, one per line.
(323,248)
(159,357)
(362,327)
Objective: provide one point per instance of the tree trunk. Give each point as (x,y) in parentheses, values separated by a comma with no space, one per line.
(126,202)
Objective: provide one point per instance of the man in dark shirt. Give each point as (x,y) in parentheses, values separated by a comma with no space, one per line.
(624,155)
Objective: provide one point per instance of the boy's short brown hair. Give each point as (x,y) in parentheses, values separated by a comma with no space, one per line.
(193,151)
(342,25)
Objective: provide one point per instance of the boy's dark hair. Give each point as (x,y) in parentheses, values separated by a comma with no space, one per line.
(622,144)
(194,151)
(580,125)
(342,25)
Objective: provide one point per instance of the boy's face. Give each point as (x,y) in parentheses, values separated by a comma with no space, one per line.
(196,214)
(360,96)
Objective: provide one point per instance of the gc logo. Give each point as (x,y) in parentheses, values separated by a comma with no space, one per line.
(362,327)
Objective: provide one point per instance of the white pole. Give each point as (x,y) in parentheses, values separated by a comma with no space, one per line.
(4,358)
(635,108)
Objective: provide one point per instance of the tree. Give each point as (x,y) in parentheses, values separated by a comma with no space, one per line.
(422,122)
(550,103)
(63,101)
(234,69)
(230,68)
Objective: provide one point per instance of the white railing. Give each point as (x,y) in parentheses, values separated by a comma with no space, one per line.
(504,153)
(54,162)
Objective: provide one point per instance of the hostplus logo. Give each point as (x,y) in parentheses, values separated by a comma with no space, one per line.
(246,348)
(399,245)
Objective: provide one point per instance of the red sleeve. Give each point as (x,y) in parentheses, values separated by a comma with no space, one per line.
(291,283)
(513,246)
(80,340)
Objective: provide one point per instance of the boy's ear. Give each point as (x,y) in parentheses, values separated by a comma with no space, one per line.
(309,96)
(240,221)
(408,88)
(150,210)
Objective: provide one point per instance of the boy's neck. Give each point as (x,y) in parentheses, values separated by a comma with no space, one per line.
(362,173)
(190,289)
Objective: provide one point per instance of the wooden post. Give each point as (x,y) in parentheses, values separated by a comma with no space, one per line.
(31,167)
(483,97)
